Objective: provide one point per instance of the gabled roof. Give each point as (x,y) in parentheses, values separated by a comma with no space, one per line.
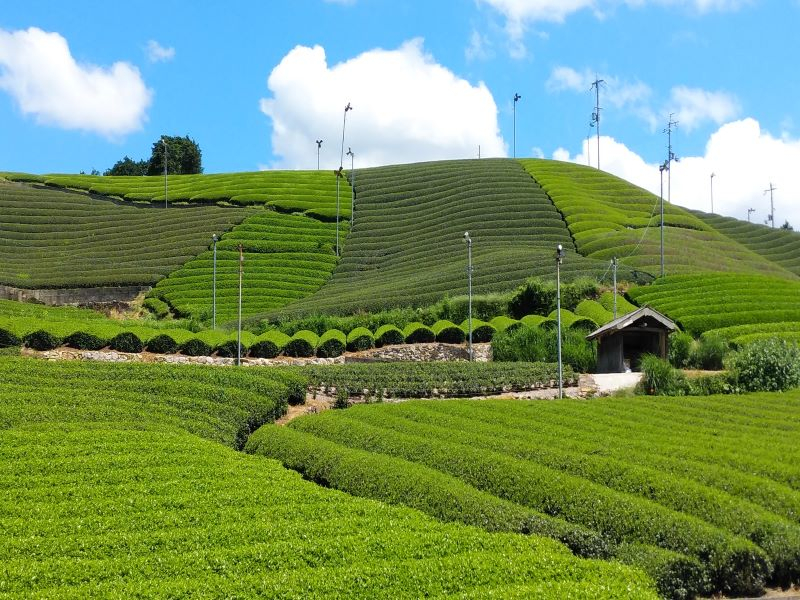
(629,319)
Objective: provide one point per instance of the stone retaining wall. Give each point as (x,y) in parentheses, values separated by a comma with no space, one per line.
(422,352)
(82,296)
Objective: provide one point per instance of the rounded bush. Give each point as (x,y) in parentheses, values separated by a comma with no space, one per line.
(83,340)
(126,341)
(448,332)
(417,333)
(302,344)
(162,344)
(42,340)
(230,349)
(481,331)
(388,335)
(768,365)
(7,339)
(360,339)
(503,323)
(680,348)
(332,343)
(195,347)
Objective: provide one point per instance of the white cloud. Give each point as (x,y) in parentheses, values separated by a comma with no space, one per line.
(39,72)
(158,53)
(479,47)
(521,14)
(744,158)
(618,92)
(406,108)
(693,106)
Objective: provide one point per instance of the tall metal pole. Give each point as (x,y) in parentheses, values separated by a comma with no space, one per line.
(347,109)
(596,114)
(319,146)
(239,329)
(352,156)
(712,192)
(670,155)
(214,286)
(771,216)
(517,97)
(749,212)
(163,141)
(614,265)
(662,168)
(469,293)
(559,258)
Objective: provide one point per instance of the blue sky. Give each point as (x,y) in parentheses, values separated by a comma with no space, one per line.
(255,83)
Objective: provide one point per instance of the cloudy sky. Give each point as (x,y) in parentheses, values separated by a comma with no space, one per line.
(257,83)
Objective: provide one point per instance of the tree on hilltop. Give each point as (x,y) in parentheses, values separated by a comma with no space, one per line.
(128,166)
(183,156)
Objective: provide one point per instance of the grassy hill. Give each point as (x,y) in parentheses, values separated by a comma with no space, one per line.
(407,245)
(57,238)
(607,216)
(122,481)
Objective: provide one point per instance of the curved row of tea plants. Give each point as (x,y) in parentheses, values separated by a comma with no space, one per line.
(55,238)
(707,477)
(111,490)
(607,216)
(286,257)
(407,244)
(702,303)
(778,245)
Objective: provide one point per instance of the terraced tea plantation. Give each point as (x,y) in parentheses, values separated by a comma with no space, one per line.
(407,246)
(608,216)
(55,238)
(121,481)
(700,492)
(715,302)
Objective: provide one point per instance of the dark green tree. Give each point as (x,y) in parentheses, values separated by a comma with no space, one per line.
(183,156)
(128,166)
(786,226)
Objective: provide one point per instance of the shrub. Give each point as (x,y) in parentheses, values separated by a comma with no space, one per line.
(230,349)
(680,347)
(541,345)
(195,347)
(127,341)
(677,576)
(481,331)
(503,323)
(417,333)
(42,340)
(710,385)
(533,297)
(659,378)
(388,335)
(157,306)
(577,351)
(709,353)
(303,344)
(448,332)
(8,338)
(162,344)
(360,339)
(332,343)
(766,365)
(83,340)
(269,344)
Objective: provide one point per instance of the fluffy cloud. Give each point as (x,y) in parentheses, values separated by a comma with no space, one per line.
(744,158)
(158,53)
(406,108)
(521,14)
(693,106)
(39,72)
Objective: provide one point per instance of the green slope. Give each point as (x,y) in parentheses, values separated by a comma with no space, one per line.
(106,493)
(778,245)
(705,477)
(407,245)
(55,238)
(607,216)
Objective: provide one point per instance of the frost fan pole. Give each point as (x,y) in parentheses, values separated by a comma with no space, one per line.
(559,257)
(469,292)
(614,265)
(239,329)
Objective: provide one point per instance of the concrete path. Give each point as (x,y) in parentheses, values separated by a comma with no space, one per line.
(607,383)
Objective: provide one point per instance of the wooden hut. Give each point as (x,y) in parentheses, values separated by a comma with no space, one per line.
(622,342)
